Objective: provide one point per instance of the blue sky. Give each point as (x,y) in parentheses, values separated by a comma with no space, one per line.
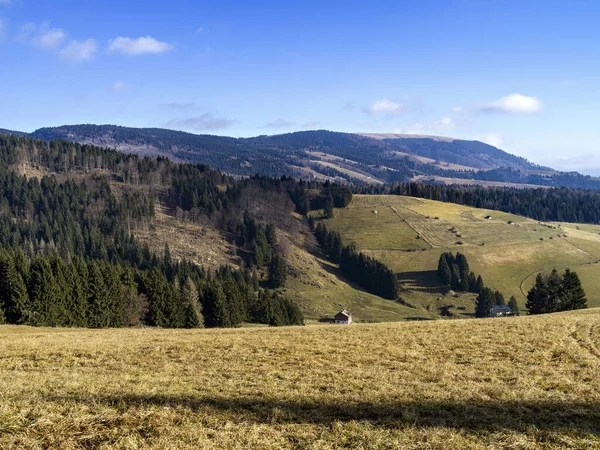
(522,75)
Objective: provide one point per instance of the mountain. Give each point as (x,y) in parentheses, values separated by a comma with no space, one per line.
(320,154)
(15,133)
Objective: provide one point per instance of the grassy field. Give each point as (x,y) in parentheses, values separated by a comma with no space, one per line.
(528,382)
(409,234)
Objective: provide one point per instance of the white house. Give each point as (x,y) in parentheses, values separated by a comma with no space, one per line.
(344,317)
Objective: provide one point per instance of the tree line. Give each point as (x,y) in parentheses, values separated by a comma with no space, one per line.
(544,204)
(372,275)
(48,291)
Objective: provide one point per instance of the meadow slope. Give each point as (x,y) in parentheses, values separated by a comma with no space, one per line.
(409,234)
(528,382)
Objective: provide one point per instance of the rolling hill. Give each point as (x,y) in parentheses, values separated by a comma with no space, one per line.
(409,234)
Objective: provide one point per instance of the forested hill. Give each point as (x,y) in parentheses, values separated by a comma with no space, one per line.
(15,133)
(69,255)
(326,155)
(320,154)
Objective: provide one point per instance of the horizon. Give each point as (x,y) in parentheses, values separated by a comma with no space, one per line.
(435,68)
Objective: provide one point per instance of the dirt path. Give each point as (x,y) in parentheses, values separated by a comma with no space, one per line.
(597,262)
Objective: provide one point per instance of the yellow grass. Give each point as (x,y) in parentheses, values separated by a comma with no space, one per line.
(529,382)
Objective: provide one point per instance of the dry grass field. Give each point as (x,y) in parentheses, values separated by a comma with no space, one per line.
(528,382)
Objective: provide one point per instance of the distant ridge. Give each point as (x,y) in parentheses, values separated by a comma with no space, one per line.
(371,158)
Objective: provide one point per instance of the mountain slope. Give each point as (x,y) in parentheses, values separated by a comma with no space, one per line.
(327,155)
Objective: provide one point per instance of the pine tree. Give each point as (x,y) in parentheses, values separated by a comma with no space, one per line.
(189,299)
(98,303)
(464,281)
(499,298)
(444,271)
(480,284)
(473,287)
(573,294)
(42,294)
(14,299)
(514,305)
(555,289)
(328,208)
(538,298)
(484,302)
(215,306)
(455,280)
(277,271)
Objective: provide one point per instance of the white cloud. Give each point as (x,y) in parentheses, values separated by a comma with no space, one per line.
(206,121)
(515,104)
(278,123)
(385,106)
(5,2)
(491,139)
(442,125)
(199,30)
(49,39)
(138,46)
(118,86)
(76,51)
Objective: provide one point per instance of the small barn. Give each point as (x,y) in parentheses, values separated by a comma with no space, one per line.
(510,222)
(501,311)
(344,317)
(488,217)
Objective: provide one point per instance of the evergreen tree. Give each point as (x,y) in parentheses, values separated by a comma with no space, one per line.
(499,298)
(514,305)
(14,299)
(455,280)
(464,281)
(484,302)
(42,294)
(473,287)
(189,298)
(573,294)
(98,303)
(328,208)
(480,284)
(444,270)
(277,271)
(216,306)
(538,298)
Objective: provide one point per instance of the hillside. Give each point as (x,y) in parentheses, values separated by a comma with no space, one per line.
(136,217)
(361,158)
(528,382)
(409,234)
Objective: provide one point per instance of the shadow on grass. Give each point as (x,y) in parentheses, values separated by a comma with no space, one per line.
(582,417)
(425,280)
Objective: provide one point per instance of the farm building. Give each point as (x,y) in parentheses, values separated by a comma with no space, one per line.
(344,317)
(501,311)
(488,217)
(510,222)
